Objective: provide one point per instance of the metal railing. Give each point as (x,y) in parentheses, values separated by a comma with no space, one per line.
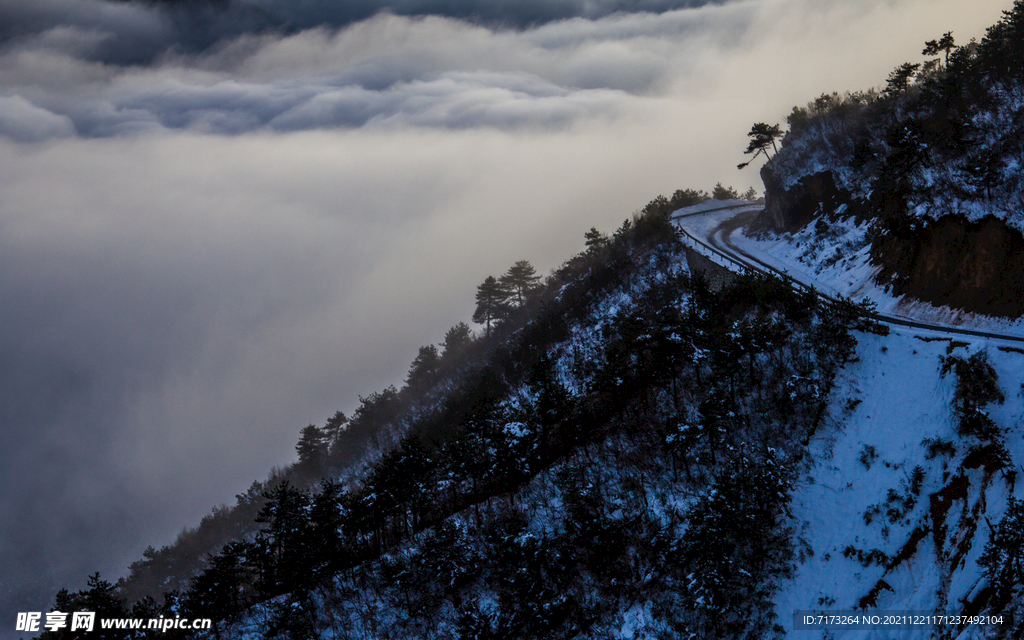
(709,252)
(721,258)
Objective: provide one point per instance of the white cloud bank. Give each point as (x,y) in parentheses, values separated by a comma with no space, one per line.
(391,71)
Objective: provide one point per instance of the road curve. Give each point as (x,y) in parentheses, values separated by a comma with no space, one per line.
(719,245)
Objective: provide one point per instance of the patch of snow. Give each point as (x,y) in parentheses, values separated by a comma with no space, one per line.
(893,398)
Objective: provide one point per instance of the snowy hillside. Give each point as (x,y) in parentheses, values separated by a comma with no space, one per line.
(895,509)
(633,453)
(685,514)
(897,506)
(665,509)
(618,457)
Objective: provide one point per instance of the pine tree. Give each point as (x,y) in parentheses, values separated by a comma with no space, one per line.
(737,546)
(328,523)
(660,205)
(595,240)
(1003,558)
(218,592)
(424,369)
(312,447)
(490,303)
(520,279)
(944,44)
(750,195)
(457,338)
(101,597)
(761,136)
(977,385)
(334,427)
(283,548)
(724,193)
(687,198)
(899,80)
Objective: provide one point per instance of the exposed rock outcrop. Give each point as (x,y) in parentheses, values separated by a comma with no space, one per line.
(971,265)
(975,266)
(790,210)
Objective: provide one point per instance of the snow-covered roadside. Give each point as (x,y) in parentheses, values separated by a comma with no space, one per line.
(835,263)
(840,263)
(701,219)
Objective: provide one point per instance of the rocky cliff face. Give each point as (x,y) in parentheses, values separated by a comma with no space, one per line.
(788,210)
(975,266)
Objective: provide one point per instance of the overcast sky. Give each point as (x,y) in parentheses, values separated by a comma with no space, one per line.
(220,225)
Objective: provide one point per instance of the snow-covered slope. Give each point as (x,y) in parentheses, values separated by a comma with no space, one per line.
(626,472)
(870,507)
(895,506)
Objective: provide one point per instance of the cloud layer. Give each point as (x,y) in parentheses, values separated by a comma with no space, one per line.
(137,31)
(205,247)
(388,71)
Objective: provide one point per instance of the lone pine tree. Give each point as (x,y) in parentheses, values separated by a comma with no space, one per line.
(762,136)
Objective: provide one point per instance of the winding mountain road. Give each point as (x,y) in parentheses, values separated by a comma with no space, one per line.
(717,245)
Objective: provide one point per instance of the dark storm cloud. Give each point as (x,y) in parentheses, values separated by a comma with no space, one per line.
(62,69)
(117,32)
(514,13)
(138,32)
(387,71)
